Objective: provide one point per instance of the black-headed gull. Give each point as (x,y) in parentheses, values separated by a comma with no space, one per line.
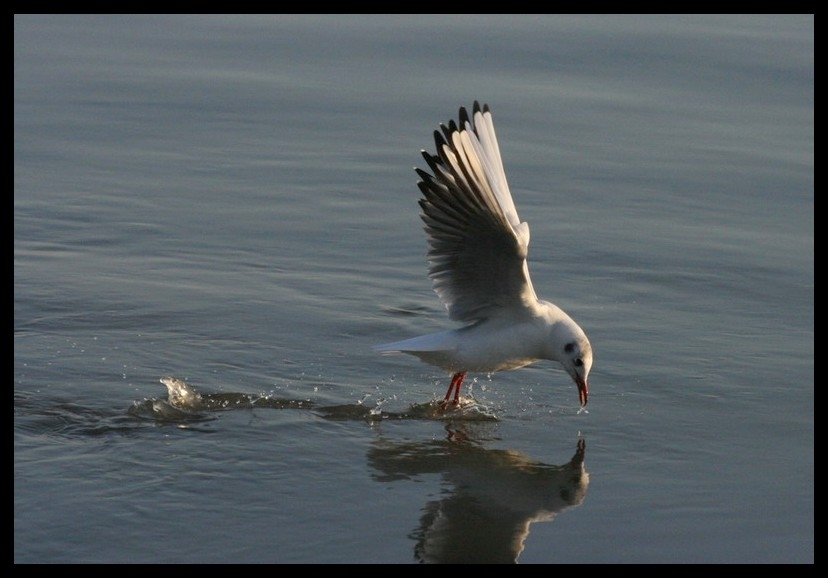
(477,263)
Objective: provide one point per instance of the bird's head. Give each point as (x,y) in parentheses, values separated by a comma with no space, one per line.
(576,358)
(568,345)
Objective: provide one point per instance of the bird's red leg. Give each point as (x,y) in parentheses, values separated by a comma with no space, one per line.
(456,382)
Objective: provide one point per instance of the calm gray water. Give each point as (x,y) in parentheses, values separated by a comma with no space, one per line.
(231,201)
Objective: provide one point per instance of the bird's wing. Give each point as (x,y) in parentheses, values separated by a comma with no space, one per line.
(478,245)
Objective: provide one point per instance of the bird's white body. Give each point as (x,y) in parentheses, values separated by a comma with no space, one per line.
(492,344)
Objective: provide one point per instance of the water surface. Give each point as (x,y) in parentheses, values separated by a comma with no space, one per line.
(230,201)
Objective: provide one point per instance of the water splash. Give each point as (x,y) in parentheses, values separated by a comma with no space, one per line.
(184,403)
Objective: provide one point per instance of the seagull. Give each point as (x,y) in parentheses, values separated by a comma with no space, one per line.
(477,264)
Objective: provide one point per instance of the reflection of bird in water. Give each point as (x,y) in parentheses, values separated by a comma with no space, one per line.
(495,496)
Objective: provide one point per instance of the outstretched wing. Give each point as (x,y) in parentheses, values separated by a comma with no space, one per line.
(478,246)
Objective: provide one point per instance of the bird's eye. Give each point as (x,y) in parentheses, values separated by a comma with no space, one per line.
(569,347)
(579,362)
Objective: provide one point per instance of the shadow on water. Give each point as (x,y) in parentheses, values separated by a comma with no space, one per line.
(492,496)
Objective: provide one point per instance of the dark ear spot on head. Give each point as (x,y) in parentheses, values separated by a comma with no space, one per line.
(569,347)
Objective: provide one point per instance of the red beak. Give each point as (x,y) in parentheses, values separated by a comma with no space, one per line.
(583,391)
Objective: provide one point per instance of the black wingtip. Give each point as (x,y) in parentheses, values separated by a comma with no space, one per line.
(441,138)
(484,108)
(464,116)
